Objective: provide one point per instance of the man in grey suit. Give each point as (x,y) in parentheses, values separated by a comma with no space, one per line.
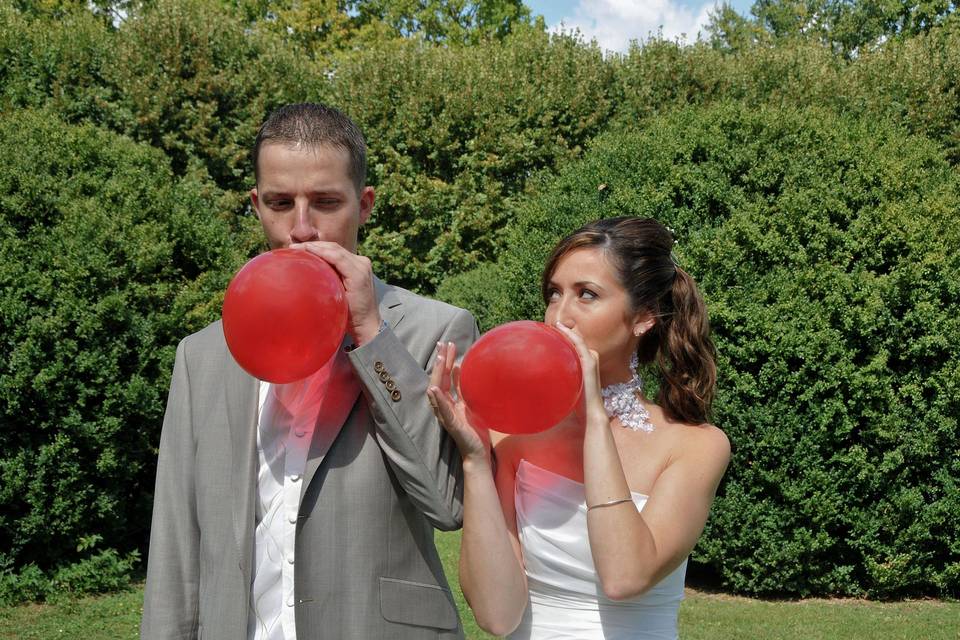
(308,510)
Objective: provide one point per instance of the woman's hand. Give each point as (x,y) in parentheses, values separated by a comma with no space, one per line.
(590,366)
(473,442)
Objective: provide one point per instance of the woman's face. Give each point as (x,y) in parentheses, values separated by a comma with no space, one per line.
(585,295)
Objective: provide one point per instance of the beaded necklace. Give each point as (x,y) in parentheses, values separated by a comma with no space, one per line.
(622,400)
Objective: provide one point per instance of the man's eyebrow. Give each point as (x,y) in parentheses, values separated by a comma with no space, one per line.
(318,192)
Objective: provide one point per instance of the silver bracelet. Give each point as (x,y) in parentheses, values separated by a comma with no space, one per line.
(609,504)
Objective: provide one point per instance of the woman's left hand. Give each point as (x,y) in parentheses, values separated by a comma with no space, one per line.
(590,366)
(472,441)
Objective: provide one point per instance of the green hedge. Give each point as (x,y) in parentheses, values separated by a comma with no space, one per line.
(106,261)
(826,249)
(910,82)
(184,76)
(455,132)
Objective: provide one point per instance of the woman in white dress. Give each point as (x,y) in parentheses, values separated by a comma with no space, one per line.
(583,530)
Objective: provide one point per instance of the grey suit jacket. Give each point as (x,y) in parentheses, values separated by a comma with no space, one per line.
(381,475)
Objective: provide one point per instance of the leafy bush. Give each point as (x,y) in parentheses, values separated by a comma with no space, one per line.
(826,249)
(910,82)
(184,76)
(30,584)
(57,61)
(106,261)
(103,572)
(455,132)
(193,80)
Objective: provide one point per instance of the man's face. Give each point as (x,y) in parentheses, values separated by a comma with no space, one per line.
(305,194)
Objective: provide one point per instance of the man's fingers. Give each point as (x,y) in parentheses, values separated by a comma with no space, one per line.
(329,251)
(356,274)
(348,265)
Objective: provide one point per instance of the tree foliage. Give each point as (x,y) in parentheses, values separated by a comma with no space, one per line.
(447,21)
(847,26)
(325,27)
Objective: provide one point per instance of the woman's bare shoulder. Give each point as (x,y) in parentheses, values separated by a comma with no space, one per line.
(704,444)
(701,438)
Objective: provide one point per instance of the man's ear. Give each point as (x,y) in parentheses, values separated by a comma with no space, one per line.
(366,204)
(255,201)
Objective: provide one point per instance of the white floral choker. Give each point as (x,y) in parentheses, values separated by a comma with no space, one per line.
(622,400)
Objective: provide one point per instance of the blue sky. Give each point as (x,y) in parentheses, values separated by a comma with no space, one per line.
(613,23)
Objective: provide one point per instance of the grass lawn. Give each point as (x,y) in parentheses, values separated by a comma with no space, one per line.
(703,616)
(706,616)
(97,618)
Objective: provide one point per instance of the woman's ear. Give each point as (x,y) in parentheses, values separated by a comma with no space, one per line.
(642,323)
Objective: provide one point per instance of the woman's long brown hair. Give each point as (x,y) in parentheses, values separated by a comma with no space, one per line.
(679,341)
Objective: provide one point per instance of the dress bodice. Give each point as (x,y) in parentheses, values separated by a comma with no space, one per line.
(566,600)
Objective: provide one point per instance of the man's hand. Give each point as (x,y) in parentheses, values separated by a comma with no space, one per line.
(356,274)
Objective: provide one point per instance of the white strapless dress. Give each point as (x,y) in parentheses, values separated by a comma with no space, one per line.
(566,600)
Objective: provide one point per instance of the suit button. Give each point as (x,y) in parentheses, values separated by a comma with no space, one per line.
(390,385)
(384,376)
(378,366)
(395,396)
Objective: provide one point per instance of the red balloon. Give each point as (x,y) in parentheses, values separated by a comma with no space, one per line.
(521,377)
(284,315)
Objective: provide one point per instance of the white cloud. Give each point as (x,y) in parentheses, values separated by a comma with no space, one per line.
(614,23)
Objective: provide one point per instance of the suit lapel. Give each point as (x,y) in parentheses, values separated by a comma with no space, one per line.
(240,397)
(338,399)
(391,309)
(343,389)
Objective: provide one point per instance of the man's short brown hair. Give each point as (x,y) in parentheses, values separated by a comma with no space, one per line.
(314,125)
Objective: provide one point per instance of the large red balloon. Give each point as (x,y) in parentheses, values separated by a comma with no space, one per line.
(520,377)
(284,315)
